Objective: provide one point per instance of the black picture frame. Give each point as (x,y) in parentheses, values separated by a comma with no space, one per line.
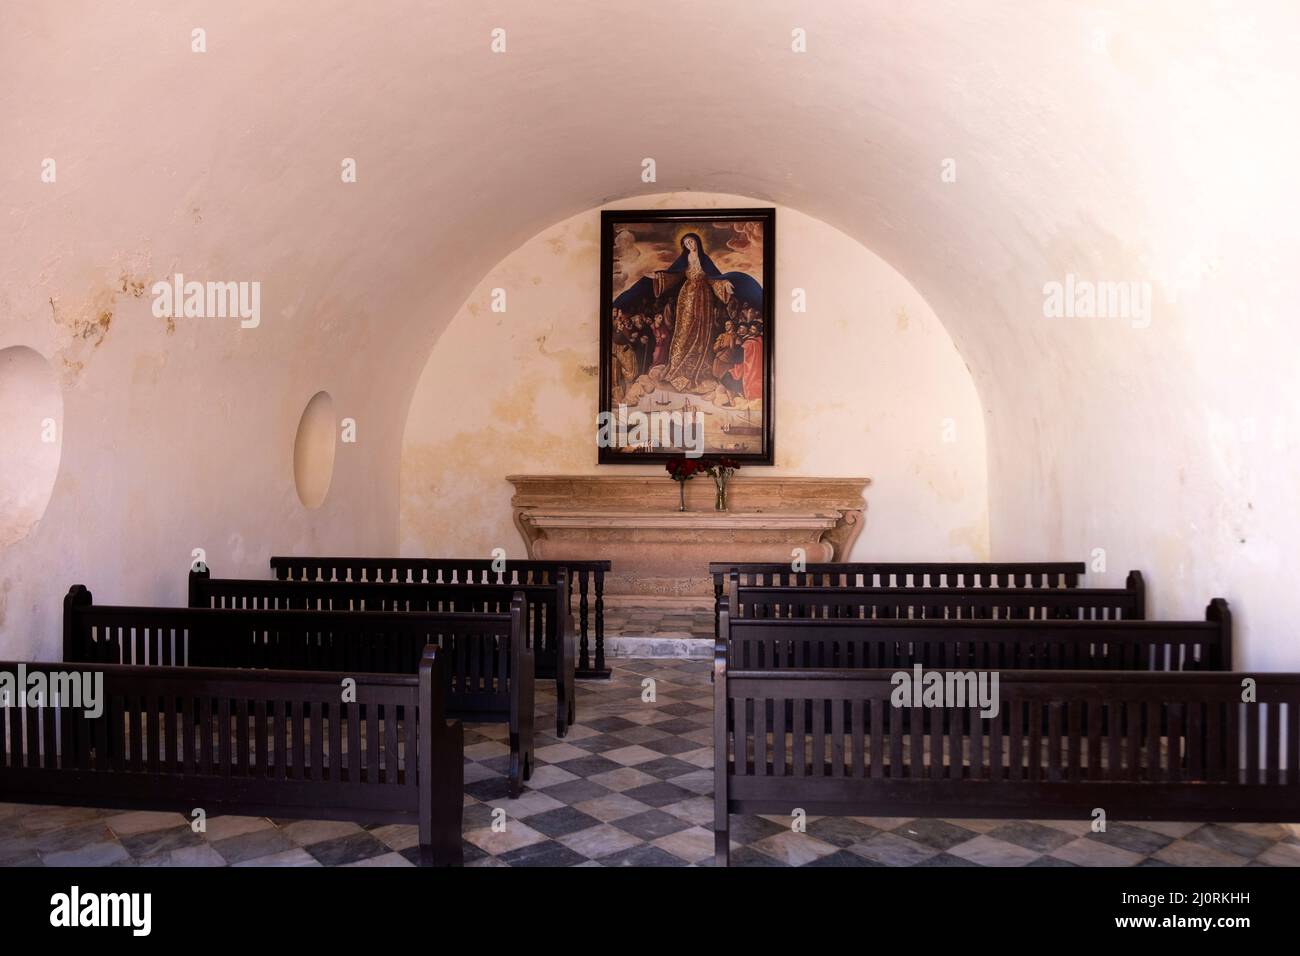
(610,221)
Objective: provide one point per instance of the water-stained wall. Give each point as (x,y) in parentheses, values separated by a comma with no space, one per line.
(983,150)
(868,383)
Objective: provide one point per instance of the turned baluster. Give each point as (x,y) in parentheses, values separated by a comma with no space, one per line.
(584,661)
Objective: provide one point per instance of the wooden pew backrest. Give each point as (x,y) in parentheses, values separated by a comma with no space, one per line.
(586,583)
(894,574)
(272,743)
(907,574)
(1127,603)
(547,615)
(487,664)
(1151,746)
(769,643)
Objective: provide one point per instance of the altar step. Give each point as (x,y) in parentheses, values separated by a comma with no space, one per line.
(659,645)
(643,630)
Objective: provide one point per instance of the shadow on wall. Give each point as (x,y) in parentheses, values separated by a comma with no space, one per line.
(31,437)
(313,451)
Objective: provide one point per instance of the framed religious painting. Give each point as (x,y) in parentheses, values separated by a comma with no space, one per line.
(686,335)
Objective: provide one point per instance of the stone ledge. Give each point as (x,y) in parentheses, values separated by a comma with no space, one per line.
(659,646)
(663,554)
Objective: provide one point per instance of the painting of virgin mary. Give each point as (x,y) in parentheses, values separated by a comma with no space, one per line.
(686,328)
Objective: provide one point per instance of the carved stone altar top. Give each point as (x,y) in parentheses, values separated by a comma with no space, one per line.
(660,554)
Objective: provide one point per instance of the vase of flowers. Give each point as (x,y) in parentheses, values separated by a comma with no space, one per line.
(721,469)
(682,470)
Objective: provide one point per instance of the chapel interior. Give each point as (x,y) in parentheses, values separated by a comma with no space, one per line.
(970,328)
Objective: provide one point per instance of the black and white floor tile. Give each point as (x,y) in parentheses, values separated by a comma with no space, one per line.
(631,785)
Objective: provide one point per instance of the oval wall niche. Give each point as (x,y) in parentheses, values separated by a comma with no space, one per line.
(31,436)
(313,450)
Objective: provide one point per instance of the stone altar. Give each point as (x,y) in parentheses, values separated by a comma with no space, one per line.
(660,555)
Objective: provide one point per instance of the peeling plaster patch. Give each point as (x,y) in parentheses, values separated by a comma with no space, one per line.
(99,328)
(92,321)
(131,285)
(591,371)
(71,369)
(131,266)
(576,377)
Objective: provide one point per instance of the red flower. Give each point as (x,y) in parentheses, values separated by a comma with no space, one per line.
(682,468)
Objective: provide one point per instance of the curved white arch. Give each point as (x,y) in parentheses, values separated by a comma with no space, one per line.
(868,384)
(1109,142)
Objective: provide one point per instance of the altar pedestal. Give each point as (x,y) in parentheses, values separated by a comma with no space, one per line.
(660,555)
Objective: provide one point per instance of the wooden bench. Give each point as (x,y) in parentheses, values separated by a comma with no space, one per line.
(261,743)
(487,664)
(1146,746)
(1126,603)
(770,643)
(586,586)
(547,618)
(897,574)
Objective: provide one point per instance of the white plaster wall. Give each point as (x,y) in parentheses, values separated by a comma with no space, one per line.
(1114,140)
(176,435)
(174,442)
(868,384)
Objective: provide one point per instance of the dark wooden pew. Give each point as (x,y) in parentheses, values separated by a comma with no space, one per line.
(548,620)
(1147,746)
(895,574)
(177,738)
(905,574)
(771,643)
(487,664)
(586,586)
(1093,604)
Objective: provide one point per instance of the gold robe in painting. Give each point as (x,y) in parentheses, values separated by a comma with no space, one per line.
(690,357)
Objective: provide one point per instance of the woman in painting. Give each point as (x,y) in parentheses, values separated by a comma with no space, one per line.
(700,286)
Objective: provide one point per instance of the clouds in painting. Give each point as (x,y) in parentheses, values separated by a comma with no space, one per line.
(642,248)
(626,258)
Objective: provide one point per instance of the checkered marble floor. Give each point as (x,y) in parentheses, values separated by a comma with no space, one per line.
(694,622)
(631,785)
